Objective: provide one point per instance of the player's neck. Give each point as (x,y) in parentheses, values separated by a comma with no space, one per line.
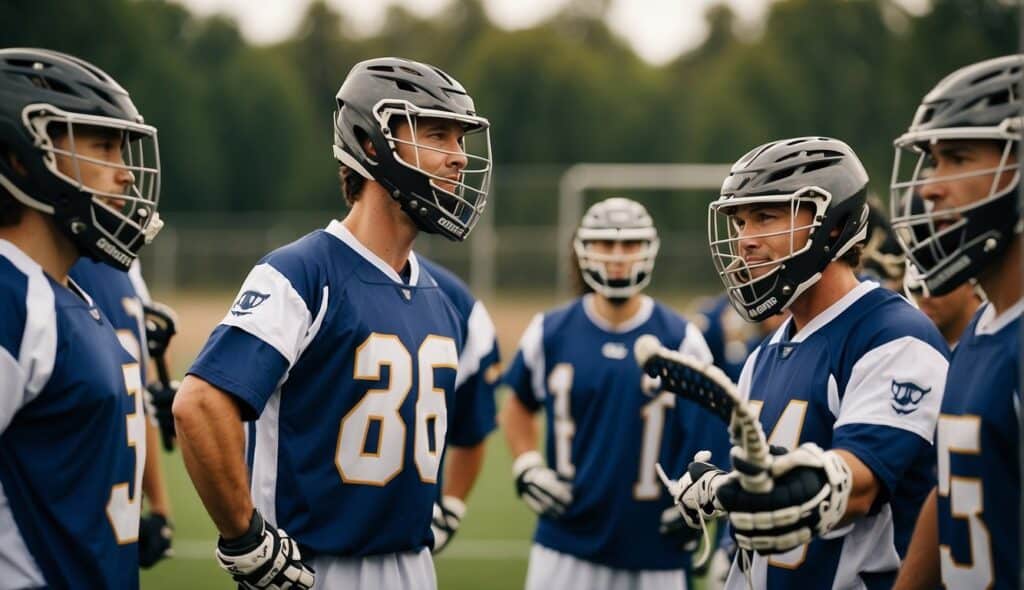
(616,315)
(836,281)
(379,223)
(39,238)
(1001,280)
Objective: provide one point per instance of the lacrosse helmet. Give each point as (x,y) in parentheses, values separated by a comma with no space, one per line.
(45,94)
(380,93)
(977,102)
(616,220)
(817,172)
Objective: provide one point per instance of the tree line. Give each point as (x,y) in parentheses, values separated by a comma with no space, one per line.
(246,127)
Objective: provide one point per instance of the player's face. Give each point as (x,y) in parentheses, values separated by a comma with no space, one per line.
(97,161)
(945,310)
(768,232)
(620,256)
(955,179)
(438,148)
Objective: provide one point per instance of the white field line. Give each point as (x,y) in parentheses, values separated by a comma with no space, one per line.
(460,549)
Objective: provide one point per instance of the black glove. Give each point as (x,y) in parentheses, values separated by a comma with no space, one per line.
(159,399)
(674,527)
(808,498)
(264,558)
(155,533)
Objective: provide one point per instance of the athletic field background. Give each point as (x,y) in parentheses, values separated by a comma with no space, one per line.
(491,548)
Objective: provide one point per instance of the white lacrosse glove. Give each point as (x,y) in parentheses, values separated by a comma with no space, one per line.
(540,487)
(809,494)
(264,558)
(448,514)
(695,491)
(695,501)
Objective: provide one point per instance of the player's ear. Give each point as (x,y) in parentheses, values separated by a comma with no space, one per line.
(368,148)
(15,163)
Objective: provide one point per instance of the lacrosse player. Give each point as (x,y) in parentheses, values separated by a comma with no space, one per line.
(346,353)
(963,162)
(605,522)
(848,388)
(79,177)
(122,297)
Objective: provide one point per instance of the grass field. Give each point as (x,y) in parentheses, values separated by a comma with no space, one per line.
(491,548)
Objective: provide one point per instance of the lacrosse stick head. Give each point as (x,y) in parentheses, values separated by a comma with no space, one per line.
(709,387)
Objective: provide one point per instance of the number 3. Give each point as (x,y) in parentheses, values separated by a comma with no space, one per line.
(382,406)
(123,507)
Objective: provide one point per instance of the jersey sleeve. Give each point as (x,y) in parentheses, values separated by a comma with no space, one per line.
(526,373)
(890,406)
(28,335)
(264,333)
(479,364)
(693,344)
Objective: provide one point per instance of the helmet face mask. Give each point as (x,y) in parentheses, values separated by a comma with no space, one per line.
(749,285)
(55,106)
(816,177)
(376,98)
(956,239)
(622,222)
(462,204)
(126,218)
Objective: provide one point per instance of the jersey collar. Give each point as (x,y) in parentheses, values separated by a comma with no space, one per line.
(338,230)
(639,318)
(989,323)
(823,318)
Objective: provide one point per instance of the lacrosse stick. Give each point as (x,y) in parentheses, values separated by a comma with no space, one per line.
(710,388)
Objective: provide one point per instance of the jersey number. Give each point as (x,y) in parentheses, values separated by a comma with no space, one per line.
(962,434)
(786,434)
(371,442)
(125,507)
(647,486)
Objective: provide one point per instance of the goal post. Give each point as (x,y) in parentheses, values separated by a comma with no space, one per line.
(580,178)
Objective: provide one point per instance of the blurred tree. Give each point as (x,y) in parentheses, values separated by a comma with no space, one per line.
(249,128)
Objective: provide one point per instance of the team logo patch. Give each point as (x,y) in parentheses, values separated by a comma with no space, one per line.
(906,396)
(247,301)
(614,350)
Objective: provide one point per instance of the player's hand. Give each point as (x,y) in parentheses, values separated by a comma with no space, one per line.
(678,531)
(155,534)
(696,496)
(265,557)
(448,514)
(810,491)
(540,487)
(159,399)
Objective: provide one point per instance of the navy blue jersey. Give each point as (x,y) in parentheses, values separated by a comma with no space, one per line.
(73,441)
(473,416)
(866,376)
(978,456)
(729,337)
(117,295)
(350,371)
(606,432)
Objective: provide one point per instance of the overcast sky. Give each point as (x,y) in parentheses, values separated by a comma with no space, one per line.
(658,30)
